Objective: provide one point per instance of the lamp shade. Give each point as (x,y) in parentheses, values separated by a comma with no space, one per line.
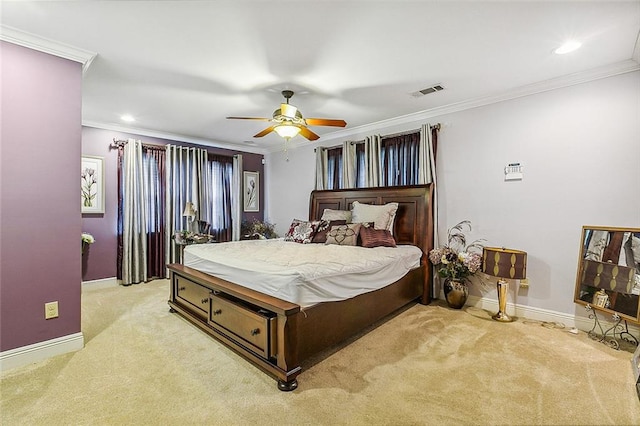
(287,131)
(189,210)
(504,263)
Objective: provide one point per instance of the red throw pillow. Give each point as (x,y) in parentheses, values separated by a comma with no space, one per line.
(376,237)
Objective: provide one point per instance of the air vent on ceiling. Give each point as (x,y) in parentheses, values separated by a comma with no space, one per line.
(428,90)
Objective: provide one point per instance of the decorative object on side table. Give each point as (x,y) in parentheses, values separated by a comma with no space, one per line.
(190,213)
(456,262)
(186,238)
(505,264)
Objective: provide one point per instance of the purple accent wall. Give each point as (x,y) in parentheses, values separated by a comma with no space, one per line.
(101,259)
(40,221)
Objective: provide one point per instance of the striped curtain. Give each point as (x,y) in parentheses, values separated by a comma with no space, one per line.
(140,213)
(184,183)
(236,197)
(372,145)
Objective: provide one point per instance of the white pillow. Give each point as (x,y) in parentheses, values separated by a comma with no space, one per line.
(381,216)
(330,214)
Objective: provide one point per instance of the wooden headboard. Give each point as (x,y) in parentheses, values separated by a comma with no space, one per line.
(414,218)
(413,223)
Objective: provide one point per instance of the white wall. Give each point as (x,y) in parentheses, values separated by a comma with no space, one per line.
(580,148)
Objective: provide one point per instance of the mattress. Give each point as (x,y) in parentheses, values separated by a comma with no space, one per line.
(304,274)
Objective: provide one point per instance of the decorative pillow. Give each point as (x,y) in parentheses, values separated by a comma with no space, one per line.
(301,231)
(343,235)
(330,214)
(382,216)
(324,227)
(376,237)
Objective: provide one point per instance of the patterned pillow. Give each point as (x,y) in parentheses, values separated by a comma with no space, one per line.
(301,231)
(330,214)
(376,237)
(323,228)
(343,235)
(382,216)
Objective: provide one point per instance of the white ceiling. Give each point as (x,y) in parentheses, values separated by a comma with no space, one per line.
(181,67)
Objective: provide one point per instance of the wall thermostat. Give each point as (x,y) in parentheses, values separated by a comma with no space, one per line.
(513,171)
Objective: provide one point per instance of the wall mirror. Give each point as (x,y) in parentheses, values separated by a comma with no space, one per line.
(608,277)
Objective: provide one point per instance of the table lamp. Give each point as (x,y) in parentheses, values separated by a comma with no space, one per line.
(190,214)
(505,264)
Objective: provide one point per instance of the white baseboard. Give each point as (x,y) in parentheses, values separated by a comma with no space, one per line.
(101,283)
(583,323)
(40,351)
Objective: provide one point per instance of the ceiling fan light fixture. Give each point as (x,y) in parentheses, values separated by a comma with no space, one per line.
(287,131)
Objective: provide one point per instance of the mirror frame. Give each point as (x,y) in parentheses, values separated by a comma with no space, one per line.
(586,271)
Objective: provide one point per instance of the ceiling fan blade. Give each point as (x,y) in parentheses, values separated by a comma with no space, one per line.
(265,132)
(250,118)
(308,134)
(288,110)
(325,122)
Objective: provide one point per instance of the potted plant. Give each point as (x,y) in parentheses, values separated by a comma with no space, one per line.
(456,261)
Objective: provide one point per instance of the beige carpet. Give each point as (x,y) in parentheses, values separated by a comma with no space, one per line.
(427,366)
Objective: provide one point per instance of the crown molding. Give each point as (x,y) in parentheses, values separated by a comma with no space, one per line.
(518,92)
(42,44)
(173,137)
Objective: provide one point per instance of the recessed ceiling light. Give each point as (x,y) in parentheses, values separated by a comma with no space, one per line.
(128,118)
(569,46)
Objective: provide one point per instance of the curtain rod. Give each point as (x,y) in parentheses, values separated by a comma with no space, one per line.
(117,143)
(409,132)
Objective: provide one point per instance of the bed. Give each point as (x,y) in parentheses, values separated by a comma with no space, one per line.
(279,336)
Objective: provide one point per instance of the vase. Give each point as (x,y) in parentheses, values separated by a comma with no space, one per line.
(455,293)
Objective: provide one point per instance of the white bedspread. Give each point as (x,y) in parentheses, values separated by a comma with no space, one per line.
(304,274)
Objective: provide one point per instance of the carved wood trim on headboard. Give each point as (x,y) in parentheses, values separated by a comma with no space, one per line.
(414,218)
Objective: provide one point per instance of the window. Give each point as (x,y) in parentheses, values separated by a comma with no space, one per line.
(361,167)
(334,168)
(399,158)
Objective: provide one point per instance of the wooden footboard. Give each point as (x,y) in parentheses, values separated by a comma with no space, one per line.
(261,328)
(275,335)
(278,336)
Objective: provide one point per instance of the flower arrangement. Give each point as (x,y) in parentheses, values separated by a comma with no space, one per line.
(86,240)
(258,229)
(457,260)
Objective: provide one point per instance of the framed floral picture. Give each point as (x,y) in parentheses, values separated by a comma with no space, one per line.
(92,184)
(251,191)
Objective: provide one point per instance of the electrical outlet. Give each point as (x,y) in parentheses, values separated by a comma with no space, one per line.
(51,310)
(524,283)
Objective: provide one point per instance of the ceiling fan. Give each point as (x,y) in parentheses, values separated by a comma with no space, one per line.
(288,121)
